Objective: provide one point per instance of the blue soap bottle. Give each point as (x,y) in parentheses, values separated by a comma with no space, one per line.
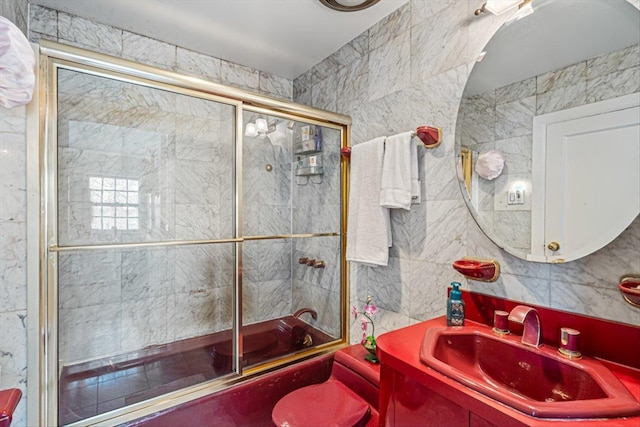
(455,306)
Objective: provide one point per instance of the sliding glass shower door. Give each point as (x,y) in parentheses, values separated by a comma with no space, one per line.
(145,184)
(191,236)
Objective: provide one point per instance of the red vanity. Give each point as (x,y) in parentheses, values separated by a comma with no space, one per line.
(463,377)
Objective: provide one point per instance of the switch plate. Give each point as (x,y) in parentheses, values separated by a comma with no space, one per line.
(515,197)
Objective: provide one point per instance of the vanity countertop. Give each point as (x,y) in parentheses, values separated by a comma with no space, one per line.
(399,351)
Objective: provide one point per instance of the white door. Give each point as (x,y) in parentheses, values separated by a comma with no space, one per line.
(592,188)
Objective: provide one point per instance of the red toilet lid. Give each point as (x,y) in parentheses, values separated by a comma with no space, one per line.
(328,404)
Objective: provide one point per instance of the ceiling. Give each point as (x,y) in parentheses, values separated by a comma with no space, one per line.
(282,37)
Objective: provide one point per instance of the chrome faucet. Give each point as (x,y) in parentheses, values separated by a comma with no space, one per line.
(529,318)
(306,310)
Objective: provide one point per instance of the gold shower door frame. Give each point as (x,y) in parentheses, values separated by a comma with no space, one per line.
(42,211)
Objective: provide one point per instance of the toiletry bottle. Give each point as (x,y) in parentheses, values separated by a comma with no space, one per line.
(455,306)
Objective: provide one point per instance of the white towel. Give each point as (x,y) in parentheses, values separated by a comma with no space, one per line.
(396,187)
(368,223)
(416,193)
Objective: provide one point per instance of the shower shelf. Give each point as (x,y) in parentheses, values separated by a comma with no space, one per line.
(309,171)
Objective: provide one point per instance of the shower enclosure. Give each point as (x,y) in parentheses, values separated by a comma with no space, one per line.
(191,236)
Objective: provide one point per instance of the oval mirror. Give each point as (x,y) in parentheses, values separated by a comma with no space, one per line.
(548,132)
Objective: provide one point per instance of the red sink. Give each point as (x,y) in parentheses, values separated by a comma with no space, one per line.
(536,381)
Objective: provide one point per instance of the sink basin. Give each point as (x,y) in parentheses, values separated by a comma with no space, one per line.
(536,381)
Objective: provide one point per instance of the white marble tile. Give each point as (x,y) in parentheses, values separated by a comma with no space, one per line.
(274,299)
(13,120)
(198,64)
(352,51)
(13,342)
(275,260)
(195,182)
(618,60)
(323,94)
(515,118)
(428,288)
(477,127)
(250,304)
(147,273)
(13,179)
(511,228)
(198,221)
(148,51)
(515,91)
(43,20)
(353,82)
(239,75)
(562,98)
(85,332)
(440,42)
(13,288)
(277,86)
(88,34)
(517,288)
(440,236)
(604,303)
(423,9)
(327,305)
(13,236)
(391,26)
(389,67)
(435,101)
(439,179)
(517,152)
(145,322)
(571,75)
(614,85)
(389,286)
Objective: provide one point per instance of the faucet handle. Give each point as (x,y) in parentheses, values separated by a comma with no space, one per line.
(501,322)
(569,343)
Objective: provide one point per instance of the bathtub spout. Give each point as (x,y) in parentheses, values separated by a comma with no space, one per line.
(300,312)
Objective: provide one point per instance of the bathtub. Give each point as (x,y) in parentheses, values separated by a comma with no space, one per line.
(92,388)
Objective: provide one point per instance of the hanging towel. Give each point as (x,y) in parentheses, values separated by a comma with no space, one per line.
(368,223)
(395,190)
(416,194)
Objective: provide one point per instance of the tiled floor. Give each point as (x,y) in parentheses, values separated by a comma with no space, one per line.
(87,397)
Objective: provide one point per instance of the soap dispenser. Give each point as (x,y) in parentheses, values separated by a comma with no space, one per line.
(455,306)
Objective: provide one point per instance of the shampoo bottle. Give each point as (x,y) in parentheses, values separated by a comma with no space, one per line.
(455,306)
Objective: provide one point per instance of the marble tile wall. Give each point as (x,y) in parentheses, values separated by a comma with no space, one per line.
(58,26)
(443,40)
(502,119)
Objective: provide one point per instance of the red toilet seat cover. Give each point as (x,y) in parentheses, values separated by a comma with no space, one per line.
(328,404)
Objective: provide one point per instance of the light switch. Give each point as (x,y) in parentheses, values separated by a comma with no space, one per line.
(516,197)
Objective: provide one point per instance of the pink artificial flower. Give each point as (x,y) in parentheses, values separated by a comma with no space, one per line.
(354,311)
(363,323)
(364,338)
(370,309)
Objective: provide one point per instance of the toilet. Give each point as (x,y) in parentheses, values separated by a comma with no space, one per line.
(348,398)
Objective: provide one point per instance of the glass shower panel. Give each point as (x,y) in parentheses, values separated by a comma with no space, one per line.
(140,164)
(291,187)
(137,323)
(316,192)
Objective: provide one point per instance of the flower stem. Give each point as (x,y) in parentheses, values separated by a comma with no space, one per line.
(373,326)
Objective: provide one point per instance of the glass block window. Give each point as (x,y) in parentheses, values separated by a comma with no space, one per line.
(115,203)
